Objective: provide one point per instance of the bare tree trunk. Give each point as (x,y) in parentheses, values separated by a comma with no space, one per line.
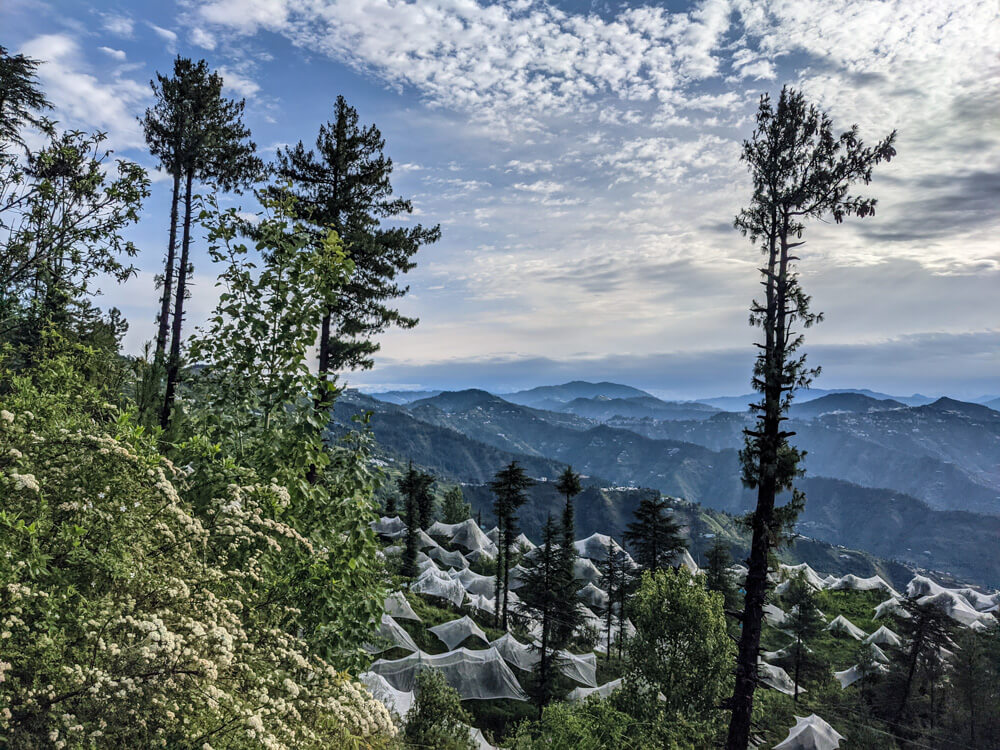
(163,324)
(174,362)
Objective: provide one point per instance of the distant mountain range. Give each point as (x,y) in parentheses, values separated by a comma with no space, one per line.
(925,479)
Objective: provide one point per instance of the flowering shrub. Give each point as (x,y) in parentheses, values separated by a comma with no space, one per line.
(129,620)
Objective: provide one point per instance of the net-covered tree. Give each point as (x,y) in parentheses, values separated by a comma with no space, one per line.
(654,535)
(437,718)
(800,170)
(804,623)
(345,184)
(197,134)
(509,486)
(454,509)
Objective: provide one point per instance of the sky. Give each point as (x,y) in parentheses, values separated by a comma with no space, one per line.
(582,160)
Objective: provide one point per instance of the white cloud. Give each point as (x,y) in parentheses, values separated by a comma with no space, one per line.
(116,54)
(242,85)
(119,25)
(84,100)
(170,37)
(202,38)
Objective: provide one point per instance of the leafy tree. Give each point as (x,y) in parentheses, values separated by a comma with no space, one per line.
(548,595)
(800,170)
(591,725)
(654,535)
(265,323)
(437,718)
(63,214)
(508,487)
(344,184)
(20,98)
(718,577)
(196,133)
(678,663)
(455,509)
(804,623)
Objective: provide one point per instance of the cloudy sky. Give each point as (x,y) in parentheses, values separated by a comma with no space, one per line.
(582,160)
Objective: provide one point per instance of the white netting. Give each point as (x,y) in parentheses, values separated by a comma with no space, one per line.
(810,733)
(849,676)
(494,535)
(595,547)
(521,655)
(397,701)
(522,542)
(434,582)
(602,633)
(683,559)
(454,632)
(576,695)
(580,668)
(397,606)
(774,615)
(854,583)
(954,602)
(482,603)
(788,572)
(884,637)
(476,735)
(890,606)
(593,597)
(466,535)
(453,559)
(391,527)
(475,583)
(585,570)
(425,542)
(476,675)
(390,635)
(776,678)
(843,626)
(516,577)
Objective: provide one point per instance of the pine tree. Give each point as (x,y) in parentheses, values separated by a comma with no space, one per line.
(718,577)
(569,486)
(413,485)
(800,170)
(804,623)
(619,581)
(455,509)
(508,486)
(20,98)
(654,535)
(390,505)
(196,133)
(547,595)
(344,184)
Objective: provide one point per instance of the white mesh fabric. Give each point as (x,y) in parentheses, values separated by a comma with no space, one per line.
(585,570)
(580,668)
(842,625)
(391,527)
(397,701)
(466,535)
(434,582)
(595,547)
(521,655)
(397,606)
(454,632)
(577,695)
(594,597)
(776,678)
(854,583)
(884,637)
(810,733)
(390,635)
(454,559)
(476,675)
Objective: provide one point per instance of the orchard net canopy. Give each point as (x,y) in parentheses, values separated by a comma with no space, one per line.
(514,652)
(577,695)
(593,596)
(454,632)
(776,678)
(434,582)
(890,606)
(482,603)
(466,534)
(391,635)
(397,701)
(595,547)
(476,675)
(810,733)
(475,583)
(810,576)
(852,582)
(842,625)
(580,668)
(397,606)
(391,527)
(585,570)
(884,637)
(454,559)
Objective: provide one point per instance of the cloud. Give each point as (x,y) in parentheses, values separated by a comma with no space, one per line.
(202,38)
(117,24)
(116,54)
(239,83)
(170,37)
(84,100)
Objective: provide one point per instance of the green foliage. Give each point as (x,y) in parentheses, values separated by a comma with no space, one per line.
(508,487)
(718,577)
(591,725)
(681,650)
(437,718)
(654,535)
(415,487)
(20,98)
(454,509)
(345,185)
(804,623)
(131,617)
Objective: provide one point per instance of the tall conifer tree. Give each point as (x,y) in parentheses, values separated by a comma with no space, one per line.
(800,170)
(654,535)
(508,486)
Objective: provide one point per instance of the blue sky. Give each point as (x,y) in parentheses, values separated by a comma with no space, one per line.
(582,159)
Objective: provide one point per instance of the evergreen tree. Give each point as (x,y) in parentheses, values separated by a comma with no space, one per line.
(344,184)
(547,595)
(804,623)
(569,486)
(454,509)
(196,133)
(414,486)
(508,486)
(718,577)
(654,535)
(390,505)
(800,170)
(619,581)
(20,98)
